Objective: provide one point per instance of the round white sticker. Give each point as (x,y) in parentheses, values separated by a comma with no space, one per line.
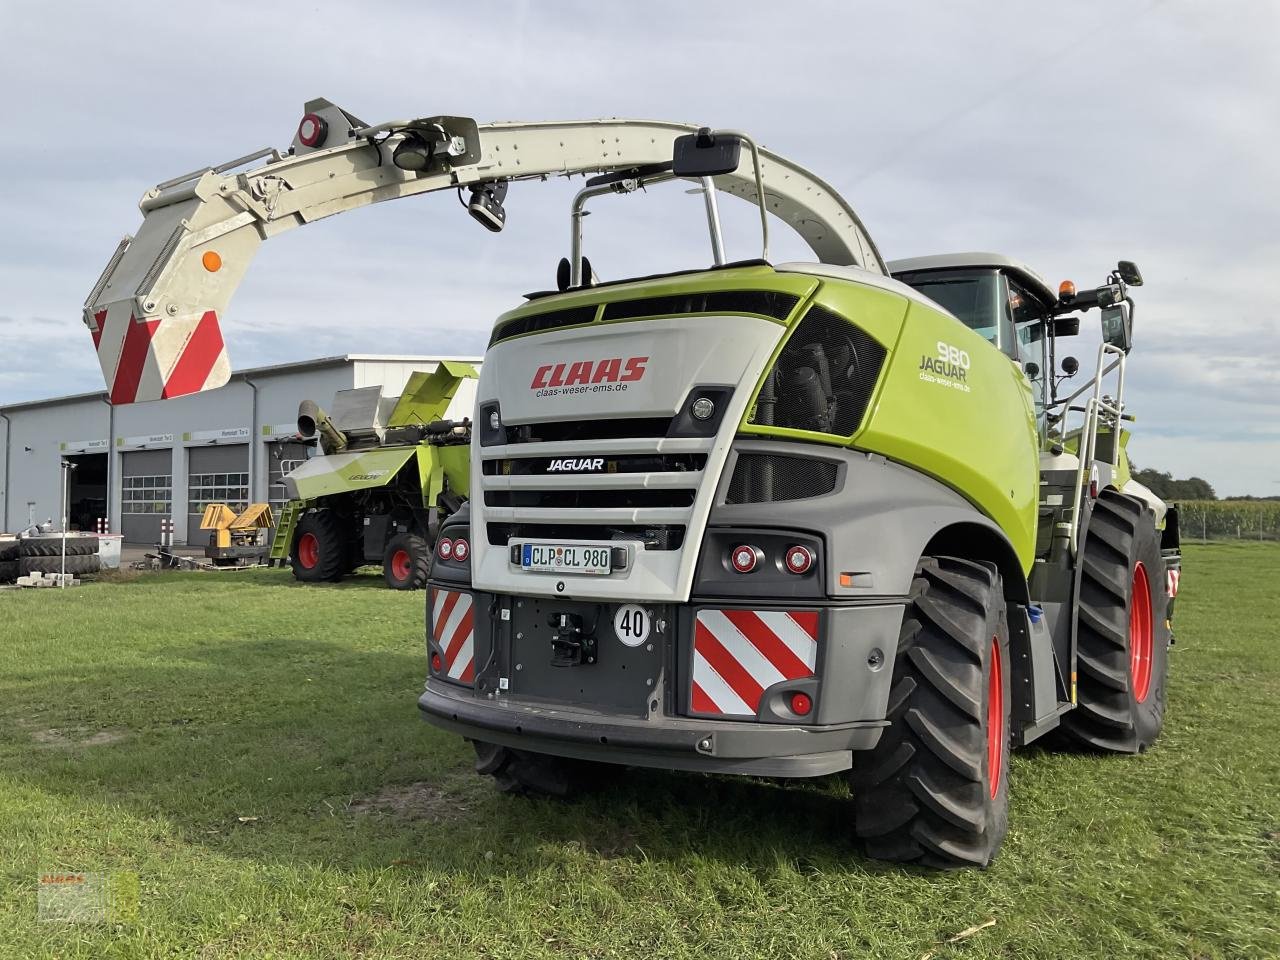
(631,624)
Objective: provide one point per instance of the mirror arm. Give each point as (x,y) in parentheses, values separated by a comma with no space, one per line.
(764,209)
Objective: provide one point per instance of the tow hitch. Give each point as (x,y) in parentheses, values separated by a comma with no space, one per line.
(570,644)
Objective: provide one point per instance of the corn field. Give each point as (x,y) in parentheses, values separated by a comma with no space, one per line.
(1229,519)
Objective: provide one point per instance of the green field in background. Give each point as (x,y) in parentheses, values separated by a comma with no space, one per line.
(250,749)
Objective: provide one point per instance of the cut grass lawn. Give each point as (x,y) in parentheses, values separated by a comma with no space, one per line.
(251,750)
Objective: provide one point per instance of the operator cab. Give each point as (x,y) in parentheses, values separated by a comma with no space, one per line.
(996,297)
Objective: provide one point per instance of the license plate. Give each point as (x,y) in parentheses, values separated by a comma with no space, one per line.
(565,558)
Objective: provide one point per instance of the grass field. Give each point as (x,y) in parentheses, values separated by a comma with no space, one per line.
(251,750)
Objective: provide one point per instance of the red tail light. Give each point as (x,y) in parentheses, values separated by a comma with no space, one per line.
(461,550)
(745,558)
(444,548)
(801,704)
(436,663)
(799,559)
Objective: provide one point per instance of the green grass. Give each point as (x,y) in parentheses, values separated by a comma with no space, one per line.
(139,721)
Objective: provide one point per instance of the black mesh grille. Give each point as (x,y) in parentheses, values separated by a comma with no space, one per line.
(567,431)
(551,320)
(766,478)
(823,379)
(588,499)
(764,302)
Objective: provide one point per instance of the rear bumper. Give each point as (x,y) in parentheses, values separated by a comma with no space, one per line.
(678,743)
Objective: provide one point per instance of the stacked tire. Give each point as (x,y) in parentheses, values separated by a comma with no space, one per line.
(44,554)
(9,554)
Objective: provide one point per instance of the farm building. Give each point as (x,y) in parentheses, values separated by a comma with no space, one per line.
(140,464)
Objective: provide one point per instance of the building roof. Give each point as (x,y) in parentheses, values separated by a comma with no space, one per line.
(294,366)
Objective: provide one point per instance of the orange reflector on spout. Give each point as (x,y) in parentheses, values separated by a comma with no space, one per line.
(212,261)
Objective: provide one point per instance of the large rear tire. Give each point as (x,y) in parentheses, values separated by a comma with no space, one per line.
(406,563)
(51,546)
(319,548)
(935,790)
(1122,630)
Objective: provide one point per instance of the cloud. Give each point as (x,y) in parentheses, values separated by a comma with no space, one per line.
(1005,126)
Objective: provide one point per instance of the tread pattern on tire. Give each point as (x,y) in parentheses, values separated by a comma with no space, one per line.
(10,550)
(9,570)
(332,563)
(1121,532)
(75,565)
(922,794)
(52,546)
(420,560)
(522,772)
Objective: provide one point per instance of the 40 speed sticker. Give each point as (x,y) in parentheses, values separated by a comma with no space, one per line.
(631,624)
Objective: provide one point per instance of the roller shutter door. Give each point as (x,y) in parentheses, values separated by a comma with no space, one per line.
(215,475)
(146,493)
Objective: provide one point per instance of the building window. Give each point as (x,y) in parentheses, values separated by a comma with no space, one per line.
(206,488)
(153,494)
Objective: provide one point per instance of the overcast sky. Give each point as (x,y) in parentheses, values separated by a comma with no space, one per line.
(1068,135)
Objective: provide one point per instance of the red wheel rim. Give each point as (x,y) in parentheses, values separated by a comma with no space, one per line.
(401,564)
(308,550)
(995,720)
(1140,634)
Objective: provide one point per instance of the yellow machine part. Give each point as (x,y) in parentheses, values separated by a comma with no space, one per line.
(227,524)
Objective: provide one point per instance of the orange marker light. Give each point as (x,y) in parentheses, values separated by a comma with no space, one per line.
(1066,290)
(212,262)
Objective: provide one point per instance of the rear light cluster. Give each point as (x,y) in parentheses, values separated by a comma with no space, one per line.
(797,558)
(458,550)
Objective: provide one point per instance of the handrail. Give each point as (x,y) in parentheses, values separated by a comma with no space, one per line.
(1095,409)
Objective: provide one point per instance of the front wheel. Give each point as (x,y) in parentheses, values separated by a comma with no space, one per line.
(935,790)
(319,548)
(1122,630)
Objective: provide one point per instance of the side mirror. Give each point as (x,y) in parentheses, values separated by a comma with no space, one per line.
(705,154)
(1117,325)
(1070,366)
(1129,273)
(1032,370)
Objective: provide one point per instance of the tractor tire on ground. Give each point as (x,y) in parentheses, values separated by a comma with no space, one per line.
(8,570)
(10,550)
(935,790)
(52,546)
(74,565)
(406,563)
(524,772)
(319,548)
(1122,632)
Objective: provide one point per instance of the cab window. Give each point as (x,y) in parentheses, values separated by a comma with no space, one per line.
(972,296)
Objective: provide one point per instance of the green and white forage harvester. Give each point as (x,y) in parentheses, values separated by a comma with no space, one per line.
(773,519)
(391,470)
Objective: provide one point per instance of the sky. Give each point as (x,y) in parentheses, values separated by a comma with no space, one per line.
(1067,135)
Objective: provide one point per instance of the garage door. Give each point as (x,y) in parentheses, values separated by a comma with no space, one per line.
(215,475)
(146,493)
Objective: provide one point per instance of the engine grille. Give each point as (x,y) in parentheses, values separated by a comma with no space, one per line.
(770,478)
(653,536)
(823,378)
(539,322)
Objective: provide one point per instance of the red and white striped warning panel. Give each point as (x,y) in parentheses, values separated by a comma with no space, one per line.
(1173,579)
(738,654)
(158,359)
(453,627)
